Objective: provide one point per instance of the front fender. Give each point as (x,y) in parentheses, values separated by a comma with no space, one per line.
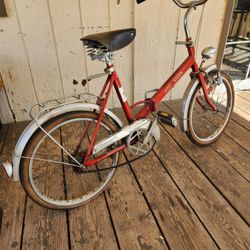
(187,98)
(32,127)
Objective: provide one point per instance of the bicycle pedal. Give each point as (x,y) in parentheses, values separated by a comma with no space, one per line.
(167,119)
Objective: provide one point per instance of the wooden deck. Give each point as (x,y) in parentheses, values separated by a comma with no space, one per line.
(178,197)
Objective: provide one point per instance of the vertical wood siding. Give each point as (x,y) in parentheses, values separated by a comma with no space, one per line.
(41,54)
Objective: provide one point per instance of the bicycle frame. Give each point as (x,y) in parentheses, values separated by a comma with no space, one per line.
(150,104)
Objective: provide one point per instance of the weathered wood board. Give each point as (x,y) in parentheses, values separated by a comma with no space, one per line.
(12,197)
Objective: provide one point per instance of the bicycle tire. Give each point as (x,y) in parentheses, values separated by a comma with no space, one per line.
(26,174)
(205,132)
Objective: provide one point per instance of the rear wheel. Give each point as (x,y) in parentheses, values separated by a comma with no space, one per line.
(54,179)
(205,125)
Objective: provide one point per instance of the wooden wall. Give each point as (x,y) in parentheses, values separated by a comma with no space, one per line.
(40,50)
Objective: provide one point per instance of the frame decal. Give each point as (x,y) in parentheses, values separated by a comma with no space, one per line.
(122,92)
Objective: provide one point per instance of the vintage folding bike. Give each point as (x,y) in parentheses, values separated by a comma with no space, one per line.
(70,151)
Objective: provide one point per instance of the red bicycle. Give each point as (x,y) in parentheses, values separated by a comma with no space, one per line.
(70,152)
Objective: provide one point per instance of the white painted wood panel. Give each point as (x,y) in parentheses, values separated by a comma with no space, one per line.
(212,24)
(71,54)
(5,112)
(40,50)
(157,25)
(121,17)
(14,68)
(36,26)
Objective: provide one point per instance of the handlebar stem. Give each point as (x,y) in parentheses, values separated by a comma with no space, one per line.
(186,19)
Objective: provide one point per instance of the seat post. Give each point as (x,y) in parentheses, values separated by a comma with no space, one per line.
(109,62)
(109,56)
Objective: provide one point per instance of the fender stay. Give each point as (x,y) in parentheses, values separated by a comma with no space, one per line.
(32,127)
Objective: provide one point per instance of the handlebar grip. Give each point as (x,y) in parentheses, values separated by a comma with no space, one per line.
(140,1)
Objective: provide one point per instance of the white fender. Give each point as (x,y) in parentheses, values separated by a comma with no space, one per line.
(32,127)
(187,97)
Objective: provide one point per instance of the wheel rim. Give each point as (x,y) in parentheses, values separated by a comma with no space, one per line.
(206,125)
(65,176)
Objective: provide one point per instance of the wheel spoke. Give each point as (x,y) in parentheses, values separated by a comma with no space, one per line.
(53,176)
(205,124)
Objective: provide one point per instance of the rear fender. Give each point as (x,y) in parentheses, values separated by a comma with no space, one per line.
(32,127)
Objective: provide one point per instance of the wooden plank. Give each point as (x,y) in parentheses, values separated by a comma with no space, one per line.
(14,69)
(121,17)
(3,132)
(244,105)
(241,111)
(227,180)
(89,225)
(238,134)
(125,203)
(66,21)
(133,221)
(12,197)
(160,238)
(180,225)
(154,46)
(225,146)
(223,223)
(169,205)
(39,41)
(5,112)
(240,120)
(235,155)
(239,115)
(244,94)
(42,226)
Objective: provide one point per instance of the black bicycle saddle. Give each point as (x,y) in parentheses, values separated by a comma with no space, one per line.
(112,40)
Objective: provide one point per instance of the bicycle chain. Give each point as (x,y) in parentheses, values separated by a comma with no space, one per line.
(116,166)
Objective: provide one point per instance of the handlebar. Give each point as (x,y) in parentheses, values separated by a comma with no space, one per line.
(183,5)
(190,4)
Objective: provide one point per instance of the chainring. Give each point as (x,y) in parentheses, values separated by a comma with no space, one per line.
(136,145)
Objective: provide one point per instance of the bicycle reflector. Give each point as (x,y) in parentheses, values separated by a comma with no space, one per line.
(140,1)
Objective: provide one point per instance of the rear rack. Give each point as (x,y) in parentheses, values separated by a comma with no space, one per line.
(39,109)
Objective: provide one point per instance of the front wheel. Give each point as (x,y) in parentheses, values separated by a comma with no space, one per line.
(205,125)
(50,176)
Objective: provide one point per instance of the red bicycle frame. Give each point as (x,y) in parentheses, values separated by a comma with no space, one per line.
(150,104)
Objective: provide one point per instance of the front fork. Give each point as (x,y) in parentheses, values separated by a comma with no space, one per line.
(206,91)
